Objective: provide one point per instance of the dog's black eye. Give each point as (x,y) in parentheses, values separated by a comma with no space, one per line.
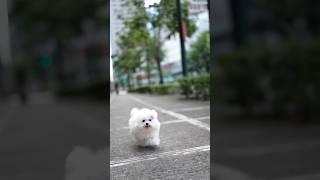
(143,120)
(149,119)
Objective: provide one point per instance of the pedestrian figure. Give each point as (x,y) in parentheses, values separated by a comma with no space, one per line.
(117,88)
(21,81)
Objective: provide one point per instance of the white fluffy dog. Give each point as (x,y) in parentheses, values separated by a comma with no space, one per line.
(144,127)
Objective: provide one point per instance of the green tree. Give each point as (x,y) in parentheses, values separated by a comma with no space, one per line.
(168,16)
(147,43)
(132,40)
(165,19)
(199,53)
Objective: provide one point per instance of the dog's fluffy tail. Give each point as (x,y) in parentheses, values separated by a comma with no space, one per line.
(132,120)
(133,111)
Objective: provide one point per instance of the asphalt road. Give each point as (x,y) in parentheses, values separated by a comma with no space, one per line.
(266,149)
(37,139)
(66,139)
(184,152)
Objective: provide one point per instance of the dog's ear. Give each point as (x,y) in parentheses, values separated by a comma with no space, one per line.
(133,111)
(154,113)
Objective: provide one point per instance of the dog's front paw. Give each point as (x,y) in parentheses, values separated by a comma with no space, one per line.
(155,142)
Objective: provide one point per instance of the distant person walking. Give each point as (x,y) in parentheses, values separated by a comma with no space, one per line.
(21,81)
(117,88)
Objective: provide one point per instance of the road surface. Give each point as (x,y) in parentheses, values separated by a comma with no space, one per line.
(184,152)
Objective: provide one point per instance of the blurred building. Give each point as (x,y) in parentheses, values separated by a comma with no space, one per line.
(198,6)
(116,24)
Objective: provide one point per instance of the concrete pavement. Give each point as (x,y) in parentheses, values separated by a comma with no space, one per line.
(184,152)
(37,139)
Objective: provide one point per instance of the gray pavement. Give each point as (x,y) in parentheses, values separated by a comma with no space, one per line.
(267,149)
(184,152)
(66,139)
(37,139)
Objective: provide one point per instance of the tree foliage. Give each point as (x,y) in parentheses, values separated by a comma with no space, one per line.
(168,16)
(142,35)
(132,40)
(199,53)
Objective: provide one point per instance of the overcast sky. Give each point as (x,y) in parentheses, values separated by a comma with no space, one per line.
(150,2)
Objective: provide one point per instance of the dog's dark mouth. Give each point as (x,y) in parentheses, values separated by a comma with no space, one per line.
(147,126)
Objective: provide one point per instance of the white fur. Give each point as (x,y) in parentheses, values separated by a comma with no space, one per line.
(144,133)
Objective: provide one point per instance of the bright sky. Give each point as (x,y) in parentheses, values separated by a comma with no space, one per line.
(150,2)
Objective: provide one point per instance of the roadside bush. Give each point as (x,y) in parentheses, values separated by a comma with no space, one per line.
(156,89)
(282,81)
(164,89)
(202,86)
(185,85)
(142,89)
(197,86)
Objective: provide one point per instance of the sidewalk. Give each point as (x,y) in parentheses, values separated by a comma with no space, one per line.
(245,150)
(37,139)
(184,152)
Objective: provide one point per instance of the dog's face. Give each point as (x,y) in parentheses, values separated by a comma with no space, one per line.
(145,118)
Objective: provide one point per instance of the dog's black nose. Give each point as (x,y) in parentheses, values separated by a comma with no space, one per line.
(147,124)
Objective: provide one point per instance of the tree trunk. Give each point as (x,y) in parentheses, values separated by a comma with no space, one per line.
(158,59)
(159,69)
(148,70)
(128,80)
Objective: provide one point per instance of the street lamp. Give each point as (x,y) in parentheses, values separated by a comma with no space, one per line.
(181,33)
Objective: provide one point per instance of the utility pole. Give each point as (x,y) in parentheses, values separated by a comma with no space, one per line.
(181,33)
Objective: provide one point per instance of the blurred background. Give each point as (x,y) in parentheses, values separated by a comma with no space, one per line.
(53,47)
(150,51)
(266,89)
(53,83)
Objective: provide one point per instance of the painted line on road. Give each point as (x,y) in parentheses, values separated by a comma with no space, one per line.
(273,148)
(192,121)
(159,155)
(191,108)
(166,122)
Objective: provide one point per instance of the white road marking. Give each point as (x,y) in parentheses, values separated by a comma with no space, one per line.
(204,117)
(191,108)
(159,155)
(273,148)
(192,121)
(166,122)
